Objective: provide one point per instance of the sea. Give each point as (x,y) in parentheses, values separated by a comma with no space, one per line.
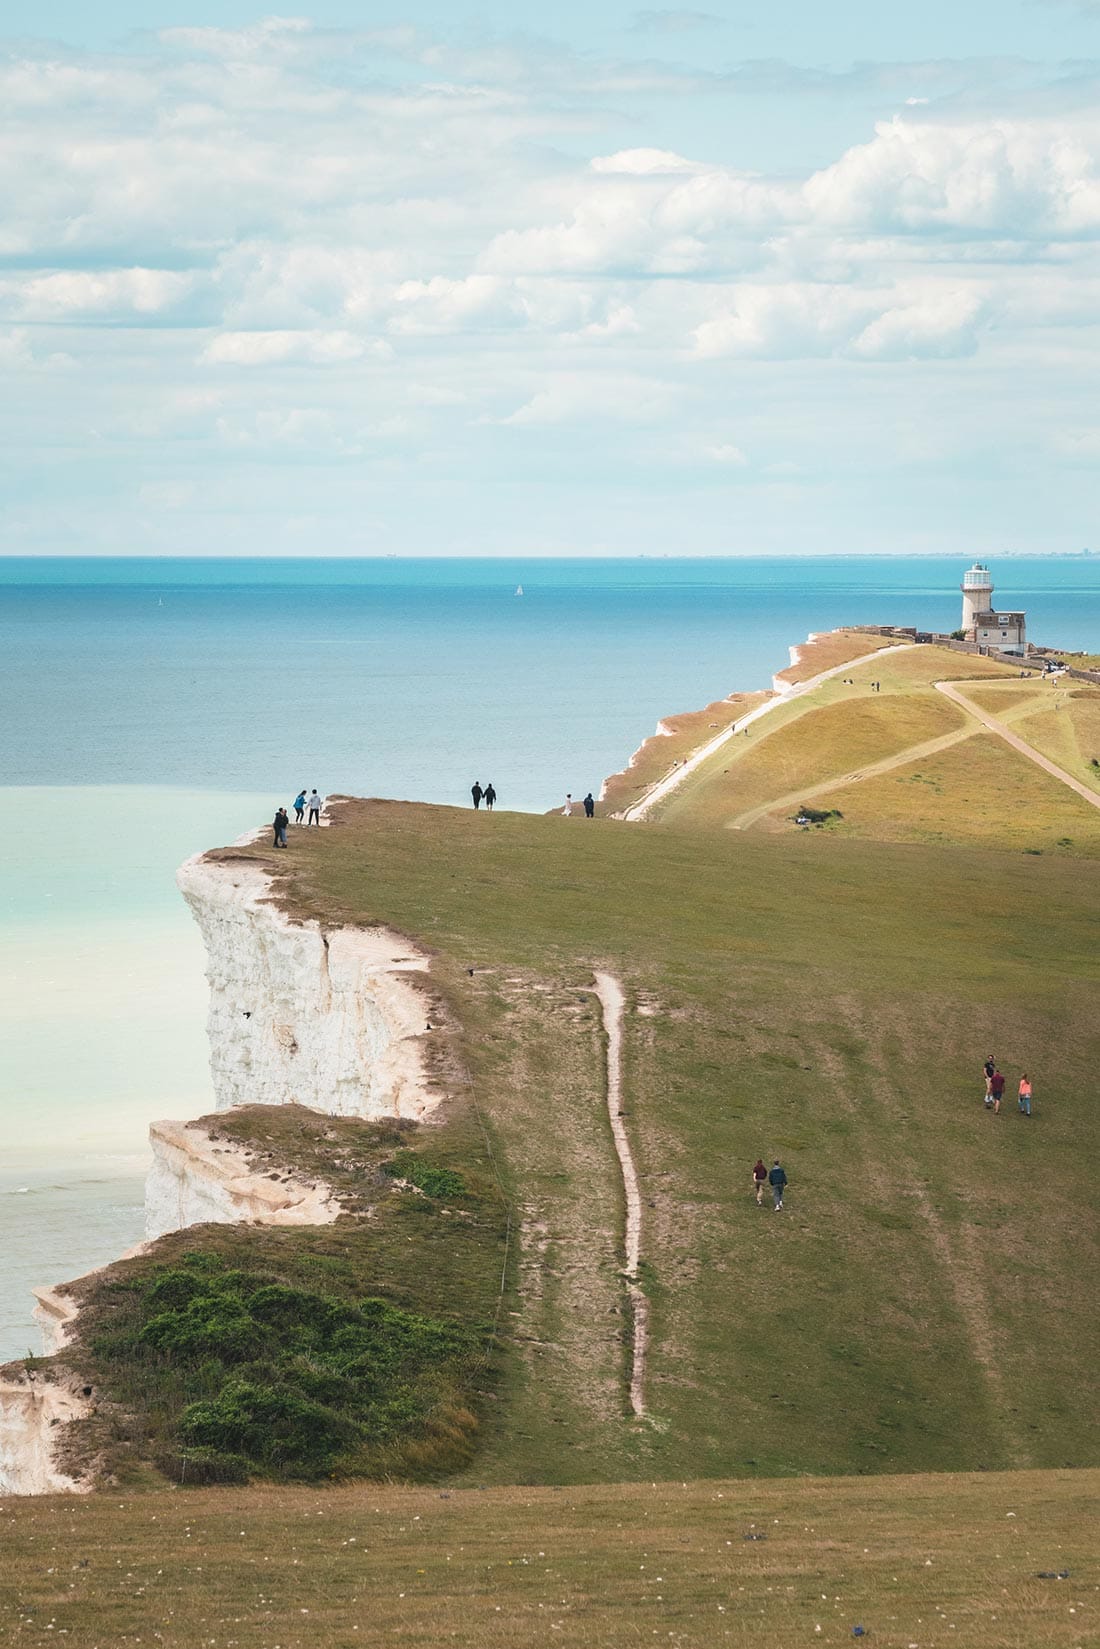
(150,709)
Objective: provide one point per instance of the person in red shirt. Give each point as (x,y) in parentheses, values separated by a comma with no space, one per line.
(997,1088)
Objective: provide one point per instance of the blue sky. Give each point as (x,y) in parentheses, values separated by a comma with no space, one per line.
(707,280)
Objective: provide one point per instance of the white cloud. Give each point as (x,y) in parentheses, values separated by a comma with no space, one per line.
(794,320)
(643,162)
(476,232)
(278,348)
(73,293)
(1033,177)
(18,351)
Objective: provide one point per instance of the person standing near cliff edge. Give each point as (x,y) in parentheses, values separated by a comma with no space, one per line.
(490,796)
(299,807)
(476,792)
(589,805)
(279,825)
(315,806)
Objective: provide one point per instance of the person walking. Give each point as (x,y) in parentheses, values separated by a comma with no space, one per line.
(1025,1094)
(759,1180)
(476,792)
(996,1090)
(777,1179)
(567,810)
(989,1067)
(279,825)
(589,805)
(315,806)
(490,795)
(299,807)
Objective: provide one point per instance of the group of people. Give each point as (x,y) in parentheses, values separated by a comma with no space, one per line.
(485,793)
(995,1089)
(774,1176)
(312,804)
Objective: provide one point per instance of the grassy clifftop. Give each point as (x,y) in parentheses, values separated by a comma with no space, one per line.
(926,1300)
(805,995)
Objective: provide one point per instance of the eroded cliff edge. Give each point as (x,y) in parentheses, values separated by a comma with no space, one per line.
(331,1020)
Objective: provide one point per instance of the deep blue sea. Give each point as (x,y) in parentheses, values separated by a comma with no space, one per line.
(150,709)
(413,678)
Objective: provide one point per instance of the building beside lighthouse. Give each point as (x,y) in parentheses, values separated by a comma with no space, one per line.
(1003,632)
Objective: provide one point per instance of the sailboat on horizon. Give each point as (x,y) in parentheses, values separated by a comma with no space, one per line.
(519,589)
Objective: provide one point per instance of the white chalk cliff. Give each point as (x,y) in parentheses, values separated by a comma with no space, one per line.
(195,1179)
(328,1019)
(34,1409)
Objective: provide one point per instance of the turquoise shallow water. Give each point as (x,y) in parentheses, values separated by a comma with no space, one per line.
(150,709)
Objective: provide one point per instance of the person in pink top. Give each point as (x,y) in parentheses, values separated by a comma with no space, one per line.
(1025,1094)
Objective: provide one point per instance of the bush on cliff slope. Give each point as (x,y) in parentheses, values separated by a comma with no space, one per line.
(364,1347)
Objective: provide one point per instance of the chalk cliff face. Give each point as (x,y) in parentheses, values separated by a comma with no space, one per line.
(195,1179)
(33,1410)
(329,1020)
(334,1021)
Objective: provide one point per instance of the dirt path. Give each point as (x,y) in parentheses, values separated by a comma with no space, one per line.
(789,691)
(950,691)
(610,994)
(913,752)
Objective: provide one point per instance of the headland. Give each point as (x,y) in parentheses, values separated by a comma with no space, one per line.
(401,1248)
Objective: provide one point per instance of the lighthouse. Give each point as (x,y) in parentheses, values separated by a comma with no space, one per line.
(977,593)
(996,632)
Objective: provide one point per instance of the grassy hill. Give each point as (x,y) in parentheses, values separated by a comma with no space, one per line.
(924,1305)
(928,1560)
(926,1301)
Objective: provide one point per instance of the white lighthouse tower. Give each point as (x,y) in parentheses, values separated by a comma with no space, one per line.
(977,594)
(994,632)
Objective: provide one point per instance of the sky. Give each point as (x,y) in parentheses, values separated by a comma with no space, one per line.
(429,280)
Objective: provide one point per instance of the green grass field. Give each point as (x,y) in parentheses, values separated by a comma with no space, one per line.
(933,1561)
(825,999)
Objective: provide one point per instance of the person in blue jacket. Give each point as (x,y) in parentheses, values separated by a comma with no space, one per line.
(777,1179)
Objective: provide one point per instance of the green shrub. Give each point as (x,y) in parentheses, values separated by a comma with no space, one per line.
(434,1182)
(285,1381)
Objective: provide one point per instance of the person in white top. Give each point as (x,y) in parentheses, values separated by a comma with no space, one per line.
(315,806)
(567,810)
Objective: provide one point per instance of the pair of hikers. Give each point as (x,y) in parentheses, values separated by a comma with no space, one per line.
(315,805)
(589,805)
(995,1089)
(488,795)
(279,825)
(775,1177)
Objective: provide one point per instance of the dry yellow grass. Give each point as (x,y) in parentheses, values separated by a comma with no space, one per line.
(682,735)
(825,742)
(1008,698)
(825,652)
(980,791)
(931,1561)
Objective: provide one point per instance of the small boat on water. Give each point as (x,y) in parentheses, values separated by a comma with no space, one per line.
(519,589)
